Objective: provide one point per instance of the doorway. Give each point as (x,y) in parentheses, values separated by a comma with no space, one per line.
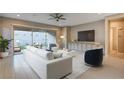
(117,37)
(121,40)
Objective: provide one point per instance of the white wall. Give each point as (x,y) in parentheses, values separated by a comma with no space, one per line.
(98,26)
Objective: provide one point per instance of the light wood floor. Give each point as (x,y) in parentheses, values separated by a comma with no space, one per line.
(16,68)
(112,68)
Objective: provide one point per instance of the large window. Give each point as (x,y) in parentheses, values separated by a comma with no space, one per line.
(39,38)
(23,38)
(50,37)
(44,37)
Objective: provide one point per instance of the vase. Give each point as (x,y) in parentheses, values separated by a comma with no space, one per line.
(4,54)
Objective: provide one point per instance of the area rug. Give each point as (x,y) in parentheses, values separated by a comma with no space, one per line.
(79,66)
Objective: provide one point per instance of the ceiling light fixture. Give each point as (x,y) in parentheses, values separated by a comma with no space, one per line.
(57,16)
(62,37)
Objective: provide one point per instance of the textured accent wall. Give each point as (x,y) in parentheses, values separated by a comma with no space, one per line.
(98,26)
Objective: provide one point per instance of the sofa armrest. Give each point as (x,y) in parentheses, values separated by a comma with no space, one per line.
(59,68)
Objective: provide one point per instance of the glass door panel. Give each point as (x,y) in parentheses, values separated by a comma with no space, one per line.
(22,38)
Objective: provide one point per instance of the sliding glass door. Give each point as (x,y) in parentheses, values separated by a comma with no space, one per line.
(50,37)
(22,38)
(44,38)
(40,37)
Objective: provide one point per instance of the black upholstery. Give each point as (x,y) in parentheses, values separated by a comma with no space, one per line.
(51,45)
(94,57)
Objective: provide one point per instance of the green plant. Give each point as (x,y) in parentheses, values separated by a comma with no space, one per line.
(4,43)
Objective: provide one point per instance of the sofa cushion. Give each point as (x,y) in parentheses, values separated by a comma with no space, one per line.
(31,48)
(45,54)
(67,53)
(57,54)
(55,49)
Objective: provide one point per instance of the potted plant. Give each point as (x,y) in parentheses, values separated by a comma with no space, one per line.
(4,43)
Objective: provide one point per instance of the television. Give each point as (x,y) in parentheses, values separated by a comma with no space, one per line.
(88,35)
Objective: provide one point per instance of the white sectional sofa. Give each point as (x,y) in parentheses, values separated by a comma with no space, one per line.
(44,64)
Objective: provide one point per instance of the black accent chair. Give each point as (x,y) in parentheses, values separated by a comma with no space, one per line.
(94,57)
(50,46)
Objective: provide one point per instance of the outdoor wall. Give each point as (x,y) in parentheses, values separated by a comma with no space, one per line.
(98,26)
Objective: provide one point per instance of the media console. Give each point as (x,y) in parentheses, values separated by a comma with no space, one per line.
(83,46)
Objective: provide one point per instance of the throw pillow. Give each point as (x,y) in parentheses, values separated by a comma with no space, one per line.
(57,54)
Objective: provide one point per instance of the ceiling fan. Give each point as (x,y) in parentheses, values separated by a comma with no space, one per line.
(57,17)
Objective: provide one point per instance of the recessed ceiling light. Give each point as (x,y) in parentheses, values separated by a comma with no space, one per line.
(18,15)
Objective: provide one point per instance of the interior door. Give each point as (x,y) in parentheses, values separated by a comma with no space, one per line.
(121,40)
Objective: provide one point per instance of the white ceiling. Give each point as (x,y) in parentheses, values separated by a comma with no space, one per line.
(72,18)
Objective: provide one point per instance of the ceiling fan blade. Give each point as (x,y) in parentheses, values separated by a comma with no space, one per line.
(57,17)
(62,18)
